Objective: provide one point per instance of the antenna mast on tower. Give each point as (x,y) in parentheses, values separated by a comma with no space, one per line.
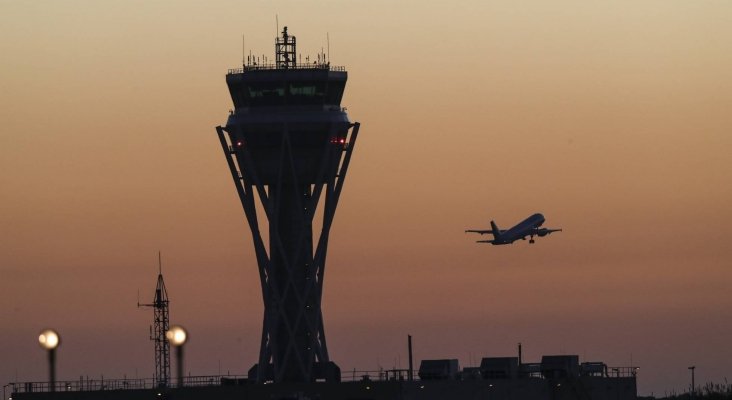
(160,326)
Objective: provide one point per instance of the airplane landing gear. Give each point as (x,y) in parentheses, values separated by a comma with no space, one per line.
(531,241)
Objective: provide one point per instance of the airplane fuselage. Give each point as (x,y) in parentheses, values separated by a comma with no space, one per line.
(524,228)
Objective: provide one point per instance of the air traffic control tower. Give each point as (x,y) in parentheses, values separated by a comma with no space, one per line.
(288,143)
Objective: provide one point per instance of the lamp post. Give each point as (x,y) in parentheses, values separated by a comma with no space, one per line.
(50,340)
(693,387)
(177,336)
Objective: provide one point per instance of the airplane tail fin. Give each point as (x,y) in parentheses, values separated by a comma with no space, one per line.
(496,231)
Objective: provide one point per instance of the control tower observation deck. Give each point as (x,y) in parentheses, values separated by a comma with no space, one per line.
(287,142)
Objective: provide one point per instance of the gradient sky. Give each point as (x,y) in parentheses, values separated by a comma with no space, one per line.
(610,117)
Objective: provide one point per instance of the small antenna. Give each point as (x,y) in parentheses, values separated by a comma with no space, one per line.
(243,50)
(327,38)
(160,263)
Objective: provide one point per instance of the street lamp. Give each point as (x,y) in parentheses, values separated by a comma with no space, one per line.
(178,336)
(693,387)
(50,340)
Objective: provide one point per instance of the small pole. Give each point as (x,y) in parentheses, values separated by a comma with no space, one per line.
(411,365)
(52,368)
(179,361)
(520,359)
(693,387)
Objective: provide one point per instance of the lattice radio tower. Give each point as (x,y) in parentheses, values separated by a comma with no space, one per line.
(161,324)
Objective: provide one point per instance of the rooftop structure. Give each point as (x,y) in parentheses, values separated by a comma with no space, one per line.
(497,378)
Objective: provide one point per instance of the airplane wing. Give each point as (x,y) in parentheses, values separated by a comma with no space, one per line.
(545,231)
(483,232)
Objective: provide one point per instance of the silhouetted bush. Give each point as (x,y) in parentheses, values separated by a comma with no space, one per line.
(709,391)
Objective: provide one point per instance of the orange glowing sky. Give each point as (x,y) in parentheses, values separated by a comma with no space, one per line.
(611,118)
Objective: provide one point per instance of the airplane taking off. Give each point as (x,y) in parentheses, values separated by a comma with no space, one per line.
(528,227)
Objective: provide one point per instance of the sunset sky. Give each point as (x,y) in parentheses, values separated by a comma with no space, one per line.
(612,118)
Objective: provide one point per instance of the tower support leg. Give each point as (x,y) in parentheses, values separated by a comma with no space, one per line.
(293,346)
